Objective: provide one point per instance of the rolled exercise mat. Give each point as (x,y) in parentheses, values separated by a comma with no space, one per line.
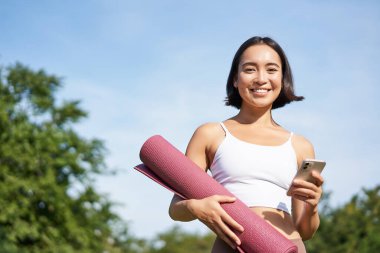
(169,167)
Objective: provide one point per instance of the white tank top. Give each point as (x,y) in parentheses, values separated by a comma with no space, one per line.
(258,175)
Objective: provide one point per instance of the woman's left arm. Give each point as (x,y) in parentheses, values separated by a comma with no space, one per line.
(305,195)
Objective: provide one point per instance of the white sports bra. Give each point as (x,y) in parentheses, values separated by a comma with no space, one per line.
(258,175)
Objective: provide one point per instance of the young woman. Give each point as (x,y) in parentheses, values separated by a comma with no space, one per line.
(253,156)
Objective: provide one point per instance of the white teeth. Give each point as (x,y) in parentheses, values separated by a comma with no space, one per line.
(260,90)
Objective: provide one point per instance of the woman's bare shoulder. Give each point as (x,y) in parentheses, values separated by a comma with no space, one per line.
(202,142)
(208,128)
(303,147)
(207,132)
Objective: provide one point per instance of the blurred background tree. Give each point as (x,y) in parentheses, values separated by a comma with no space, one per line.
(351,228)
(48,202)
(177,241)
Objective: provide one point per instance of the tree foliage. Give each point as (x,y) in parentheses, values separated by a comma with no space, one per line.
(174,240)
(48,202)
(177,241)
(353,227)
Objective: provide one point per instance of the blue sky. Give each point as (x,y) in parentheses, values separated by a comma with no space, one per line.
(159,67)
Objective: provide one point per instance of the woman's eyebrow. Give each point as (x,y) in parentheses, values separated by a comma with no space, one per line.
(255,64)
(272,64)
(248,63)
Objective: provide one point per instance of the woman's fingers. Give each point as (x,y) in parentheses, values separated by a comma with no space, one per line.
(226,217)
(307,191)
(227,230)
(219,232)
(224,199)
(225,223)
(231,222)
(210,212)
(297,183)
(317,177)
(224,237)
(304,192)
(317,182)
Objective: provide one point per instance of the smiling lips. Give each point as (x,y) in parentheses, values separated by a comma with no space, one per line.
(260,91)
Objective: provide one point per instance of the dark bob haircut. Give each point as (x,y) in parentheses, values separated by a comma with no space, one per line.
(287,91)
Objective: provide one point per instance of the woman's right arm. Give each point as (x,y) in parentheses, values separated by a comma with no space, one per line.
(207,210)
(180,209)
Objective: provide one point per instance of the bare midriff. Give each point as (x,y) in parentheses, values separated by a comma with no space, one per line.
(280,220)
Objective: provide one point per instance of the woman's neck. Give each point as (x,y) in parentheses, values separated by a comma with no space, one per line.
(260,117)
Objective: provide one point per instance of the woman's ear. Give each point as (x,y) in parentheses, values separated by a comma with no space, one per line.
(235,83)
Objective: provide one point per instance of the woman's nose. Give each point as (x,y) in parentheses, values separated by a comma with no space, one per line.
(261,77)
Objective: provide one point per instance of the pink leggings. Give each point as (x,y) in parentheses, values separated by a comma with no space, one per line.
(221,247)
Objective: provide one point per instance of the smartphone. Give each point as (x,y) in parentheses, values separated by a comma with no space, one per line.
(308,165)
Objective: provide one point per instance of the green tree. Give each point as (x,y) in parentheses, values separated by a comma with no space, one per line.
(177,241)
(48,202)
(351,228)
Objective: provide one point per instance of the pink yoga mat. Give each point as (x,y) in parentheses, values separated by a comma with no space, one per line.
(169,167)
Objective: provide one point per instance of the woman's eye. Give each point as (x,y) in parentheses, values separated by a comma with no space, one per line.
(249,70)
(272,70)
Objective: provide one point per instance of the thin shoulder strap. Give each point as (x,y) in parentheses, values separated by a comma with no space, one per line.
(224,128)
(290,137)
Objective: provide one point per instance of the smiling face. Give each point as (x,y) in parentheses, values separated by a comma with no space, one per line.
(259,76)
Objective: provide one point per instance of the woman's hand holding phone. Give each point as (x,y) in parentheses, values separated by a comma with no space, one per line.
(307,183)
